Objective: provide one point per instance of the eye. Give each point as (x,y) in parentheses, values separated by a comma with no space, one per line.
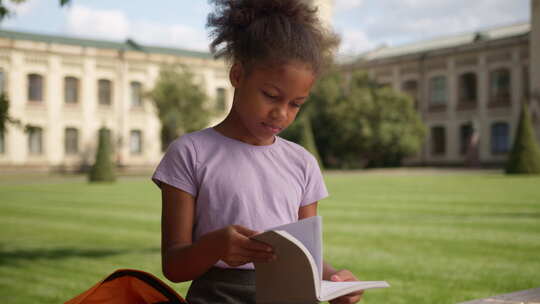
(269,95)
(296,105)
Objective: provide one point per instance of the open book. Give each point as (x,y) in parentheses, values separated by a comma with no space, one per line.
(295,277)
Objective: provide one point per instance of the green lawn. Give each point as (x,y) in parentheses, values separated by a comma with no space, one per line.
(434,238)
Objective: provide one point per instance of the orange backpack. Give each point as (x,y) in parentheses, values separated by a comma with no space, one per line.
(129,286)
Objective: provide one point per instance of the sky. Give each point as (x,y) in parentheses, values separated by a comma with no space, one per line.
(362,24)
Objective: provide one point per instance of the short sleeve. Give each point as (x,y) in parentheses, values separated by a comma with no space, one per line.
(314,189)
(178,166)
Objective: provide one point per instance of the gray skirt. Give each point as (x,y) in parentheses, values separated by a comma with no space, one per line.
(224,286)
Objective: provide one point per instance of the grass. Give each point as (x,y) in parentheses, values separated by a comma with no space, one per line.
(434,238)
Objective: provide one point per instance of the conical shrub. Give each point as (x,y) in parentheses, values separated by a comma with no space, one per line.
(103,168)
(307,140)
(525,155)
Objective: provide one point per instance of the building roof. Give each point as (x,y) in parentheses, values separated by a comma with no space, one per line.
(129,44)
(446,42)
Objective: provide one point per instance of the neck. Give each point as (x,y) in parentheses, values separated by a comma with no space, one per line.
(233,127)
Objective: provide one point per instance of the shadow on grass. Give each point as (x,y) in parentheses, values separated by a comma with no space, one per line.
(15,256)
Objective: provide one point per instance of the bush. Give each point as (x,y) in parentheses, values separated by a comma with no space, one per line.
(525,155)
(103,168)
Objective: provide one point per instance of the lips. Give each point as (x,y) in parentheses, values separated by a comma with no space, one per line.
(272,128)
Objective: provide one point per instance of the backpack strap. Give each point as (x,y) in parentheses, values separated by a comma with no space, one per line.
(151,280)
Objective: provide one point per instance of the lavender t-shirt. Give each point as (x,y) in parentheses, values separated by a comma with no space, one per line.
(235,183)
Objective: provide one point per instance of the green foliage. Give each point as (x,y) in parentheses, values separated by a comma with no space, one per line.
(525,155)
(307,140)
(103,168)
(181,103)
(358,124)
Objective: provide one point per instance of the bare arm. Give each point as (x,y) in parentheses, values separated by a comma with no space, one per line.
(183,259)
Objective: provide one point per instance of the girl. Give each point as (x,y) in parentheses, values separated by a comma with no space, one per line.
(222,185)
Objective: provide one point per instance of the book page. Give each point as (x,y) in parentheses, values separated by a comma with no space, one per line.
(309,232)
(331,290)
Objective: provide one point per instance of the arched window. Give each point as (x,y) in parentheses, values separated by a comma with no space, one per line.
(500,138)
(438,140)
(35,87)
(104,92)
(410,87)
(437,91)
(71,141)
(35,140)
(499,87)
(136,94)
(135,142)
(465,137)
(467,90)
(71,90)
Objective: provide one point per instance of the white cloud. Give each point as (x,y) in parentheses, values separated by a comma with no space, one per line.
(115,25)
(107,24)
(22,9)
(414,20)
(354,41)
(345,5)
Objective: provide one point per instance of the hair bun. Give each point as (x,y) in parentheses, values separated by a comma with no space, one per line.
(253,31)
(242,17)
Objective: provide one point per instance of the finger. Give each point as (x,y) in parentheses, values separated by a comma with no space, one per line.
(245,231)
(254,245)
(336,278)
(255,255)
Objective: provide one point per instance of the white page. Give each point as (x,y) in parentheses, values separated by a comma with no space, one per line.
(309,232)
(331,290)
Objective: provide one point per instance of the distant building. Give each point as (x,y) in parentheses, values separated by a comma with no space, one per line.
(67,88)
(467,88)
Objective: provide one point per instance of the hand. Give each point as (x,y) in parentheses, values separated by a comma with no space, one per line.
(236,248)
(344,276)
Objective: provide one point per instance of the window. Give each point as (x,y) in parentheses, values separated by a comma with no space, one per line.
(135,142)
(104,92)
(2,143)
(220,99)
(71,90)
(136,94)
(35,87)
(437,91)
(35,140)
(467,90)
(410,87)
(499,88)
(500,138)
(438,141)
(71,141)
(465,137)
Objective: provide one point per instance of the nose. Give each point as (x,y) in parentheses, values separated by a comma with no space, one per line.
(279,112)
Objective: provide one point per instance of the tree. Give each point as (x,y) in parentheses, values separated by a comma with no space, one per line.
(103,168)
(181,103)
(357,124)
(6,11)
(525,155)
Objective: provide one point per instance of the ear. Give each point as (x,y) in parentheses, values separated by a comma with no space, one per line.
(236,74)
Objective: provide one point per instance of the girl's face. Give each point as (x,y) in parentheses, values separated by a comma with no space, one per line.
(267,99)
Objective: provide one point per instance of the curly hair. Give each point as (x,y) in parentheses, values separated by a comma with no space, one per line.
(270,31)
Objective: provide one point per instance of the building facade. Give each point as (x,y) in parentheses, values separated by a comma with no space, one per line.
(468,90)
(68,88)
